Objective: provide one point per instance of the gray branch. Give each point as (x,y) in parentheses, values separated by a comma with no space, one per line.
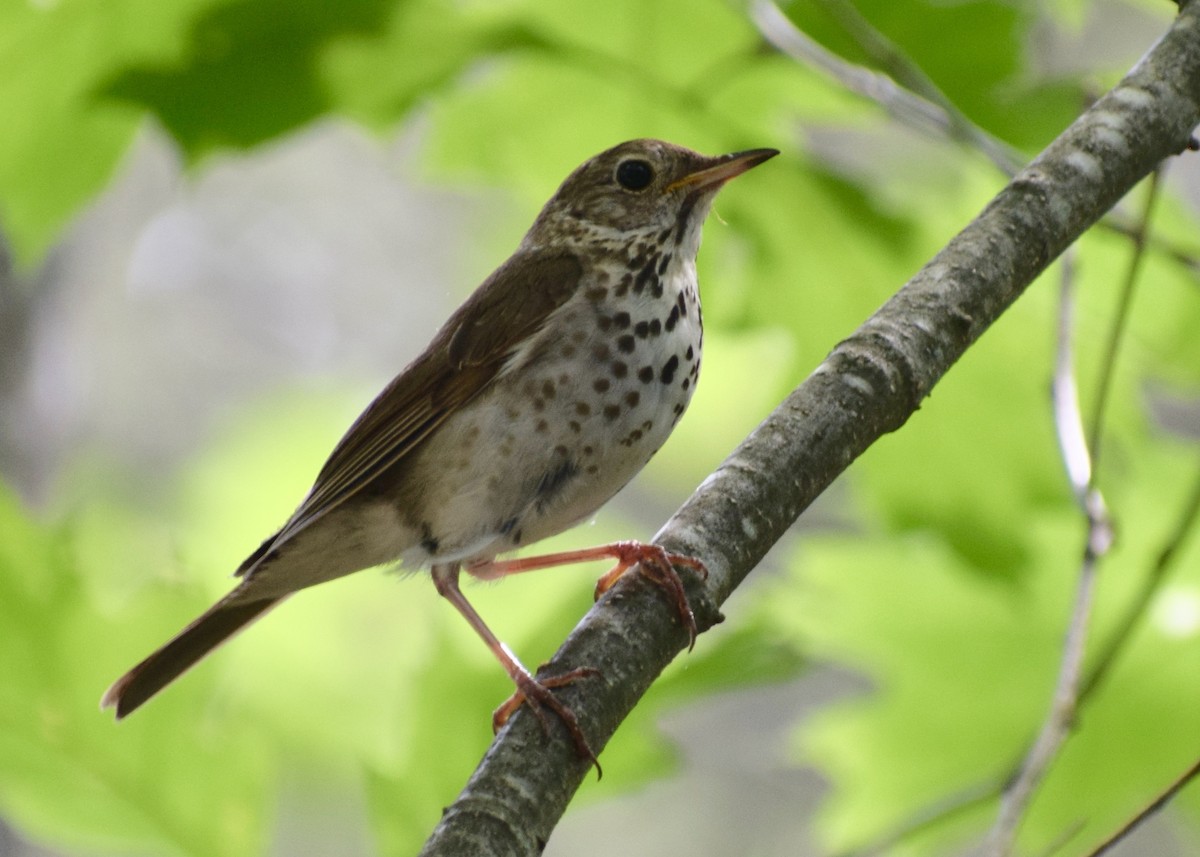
(868,386)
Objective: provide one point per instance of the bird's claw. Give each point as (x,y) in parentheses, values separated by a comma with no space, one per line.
(536,693)
(658,566)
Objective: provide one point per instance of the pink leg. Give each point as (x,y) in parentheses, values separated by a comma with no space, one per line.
(656,564)
(536,693)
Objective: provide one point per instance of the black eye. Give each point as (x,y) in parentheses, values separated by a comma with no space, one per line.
(634,175)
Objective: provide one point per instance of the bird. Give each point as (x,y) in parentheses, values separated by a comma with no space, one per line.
(539,398)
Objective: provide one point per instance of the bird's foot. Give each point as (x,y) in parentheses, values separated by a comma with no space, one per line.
(536,693)
(656,563)
(658,566)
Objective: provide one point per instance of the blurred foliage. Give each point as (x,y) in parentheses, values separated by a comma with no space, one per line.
(950,578)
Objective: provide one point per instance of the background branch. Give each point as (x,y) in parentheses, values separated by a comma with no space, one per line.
(1081,473)
(1136,610)
(867,387)
(907,95)
(1157,804)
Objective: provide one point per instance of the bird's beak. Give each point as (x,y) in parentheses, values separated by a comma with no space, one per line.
(725,168)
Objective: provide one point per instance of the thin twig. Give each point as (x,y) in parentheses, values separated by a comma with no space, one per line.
(936,116)
(929,817)
(888,55)
(1068,419)
(926,110)
(1080,464)
(1109,652)
(1081,474)
(1119,223)
(1158,803)
(1135,611)
(1120,322)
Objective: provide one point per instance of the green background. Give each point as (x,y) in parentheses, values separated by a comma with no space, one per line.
(230,222)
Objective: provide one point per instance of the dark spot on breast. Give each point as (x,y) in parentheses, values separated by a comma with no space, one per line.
(663,236)
(623,285)
(663,262)
(603,322)
(621,320)
(690,354)
(619,369)
(687,382)
(542,426)
(428,542)
(548,389)
(655,327)
(539,405)
(646,277)
(632,398)
(668,370)
(611,412)
(601,352)
(646,374)
(684,218)
(568,351)
(642,329)
(626,343)
(681,302)
(583,408)
(587,450)
(577,428)
(596,293)
(672,319)
(601,385)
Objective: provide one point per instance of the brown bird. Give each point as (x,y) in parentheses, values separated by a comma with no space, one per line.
(543,395)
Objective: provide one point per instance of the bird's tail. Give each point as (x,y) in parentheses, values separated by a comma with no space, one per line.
(191,644)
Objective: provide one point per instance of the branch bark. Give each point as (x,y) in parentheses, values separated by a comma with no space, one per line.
(868,386)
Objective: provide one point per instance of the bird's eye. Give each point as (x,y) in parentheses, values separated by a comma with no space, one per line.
(634,175)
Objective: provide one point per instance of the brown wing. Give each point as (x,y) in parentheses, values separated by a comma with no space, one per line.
(463,359)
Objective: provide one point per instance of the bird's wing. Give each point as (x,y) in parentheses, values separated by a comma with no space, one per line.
(463,359)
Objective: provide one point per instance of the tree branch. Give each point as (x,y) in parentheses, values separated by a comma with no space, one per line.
(1181,782)
(914,101)
(867,387)
(905,92)
(1081,474)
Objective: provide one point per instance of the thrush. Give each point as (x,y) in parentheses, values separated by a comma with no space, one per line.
(540,398)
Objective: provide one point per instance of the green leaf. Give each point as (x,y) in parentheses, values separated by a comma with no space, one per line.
(249,72)
(62,137)
(964,665)
(68,774)
(983,74)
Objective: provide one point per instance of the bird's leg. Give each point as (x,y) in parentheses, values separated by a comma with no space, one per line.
(655,562)
(529,689)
